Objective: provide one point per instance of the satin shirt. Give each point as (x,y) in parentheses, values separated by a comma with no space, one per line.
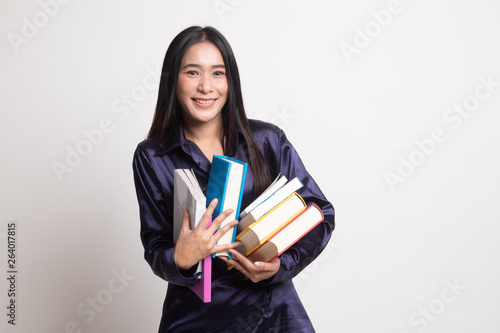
(238,304)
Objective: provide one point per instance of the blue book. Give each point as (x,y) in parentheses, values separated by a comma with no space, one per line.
(226,182)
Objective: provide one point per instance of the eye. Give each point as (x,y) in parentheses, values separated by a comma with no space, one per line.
(219,73)
(192,72)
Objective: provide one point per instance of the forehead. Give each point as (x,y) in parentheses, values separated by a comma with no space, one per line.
(204,53)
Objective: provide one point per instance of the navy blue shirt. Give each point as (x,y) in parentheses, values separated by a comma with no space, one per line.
(238,304)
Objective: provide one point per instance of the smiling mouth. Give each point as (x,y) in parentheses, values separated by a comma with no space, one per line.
(204,101)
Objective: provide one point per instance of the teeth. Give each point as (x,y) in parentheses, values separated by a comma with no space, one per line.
(204,101)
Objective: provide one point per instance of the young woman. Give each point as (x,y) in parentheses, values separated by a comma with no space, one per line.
(200,113)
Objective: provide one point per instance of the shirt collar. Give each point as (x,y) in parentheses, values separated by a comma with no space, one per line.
(178,139)
(171,140)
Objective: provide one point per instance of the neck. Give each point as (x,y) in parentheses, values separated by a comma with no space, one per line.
(203,132)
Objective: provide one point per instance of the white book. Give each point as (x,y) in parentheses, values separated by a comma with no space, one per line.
(276,185)
(259,211)
(187,194)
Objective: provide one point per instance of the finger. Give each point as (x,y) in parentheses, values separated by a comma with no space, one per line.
(246,265)
(229,262)
(218,221)
(185,221)
(234,263)
(241,258)
(205,219)
(224,247)
(219,233)
(268,266)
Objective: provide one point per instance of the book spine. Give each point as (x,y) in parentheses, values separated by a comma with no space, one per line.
(240,198)
(216,187)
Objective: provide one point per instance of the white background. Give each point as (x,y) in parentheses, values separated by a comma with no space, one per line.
(420,255)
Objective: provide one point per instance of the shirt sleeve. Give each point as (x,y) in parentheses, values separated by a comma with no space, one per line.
(302,253)
(156,229)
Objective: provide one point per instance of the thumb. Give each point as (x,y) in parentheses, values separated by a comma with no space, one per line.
(259,265)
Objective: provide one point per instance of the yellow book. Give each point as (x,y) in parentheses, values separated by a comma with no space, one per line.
(273,221)
(288,235)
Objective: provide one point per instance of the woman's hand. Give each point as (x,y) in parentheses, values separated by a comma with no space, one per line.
(194,245)
(256,271)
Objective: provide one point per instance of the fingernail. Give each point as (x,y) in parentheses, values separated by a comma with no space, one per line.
(257,264)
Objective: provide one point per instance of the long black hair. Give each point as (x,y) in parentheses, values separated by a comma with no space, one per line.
(168,110)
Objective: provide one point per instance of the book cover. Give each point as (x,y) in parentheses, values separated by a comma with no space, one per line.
(203,287)
(270,190)
(264,228)
(188,194)
(226,182)
(274,199)
(288,235)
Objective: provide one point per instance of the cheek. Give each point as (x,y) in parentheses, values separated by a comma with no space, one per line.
(183,87)
(222,88)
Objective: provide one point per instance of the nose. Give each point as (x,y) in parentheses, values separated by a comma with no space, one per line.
(205,84)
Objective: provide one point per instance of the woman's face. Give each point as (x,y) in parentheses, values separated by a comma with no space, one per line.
(202,84)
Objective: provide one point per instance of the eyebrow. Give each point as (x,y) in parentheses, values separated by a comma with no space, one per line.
(199,66)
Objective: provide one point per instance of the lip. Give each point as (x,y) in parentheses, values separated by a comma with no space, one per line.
(205,103)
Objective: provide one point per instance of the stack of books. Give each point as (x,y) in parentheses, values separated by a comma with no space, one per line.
(276,220)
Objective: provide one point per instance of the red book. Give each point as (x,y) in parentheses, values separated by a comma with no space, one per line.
(288,235)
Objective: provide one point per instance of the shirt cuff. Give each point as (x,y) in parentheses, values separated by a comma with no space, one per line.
(173,274)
